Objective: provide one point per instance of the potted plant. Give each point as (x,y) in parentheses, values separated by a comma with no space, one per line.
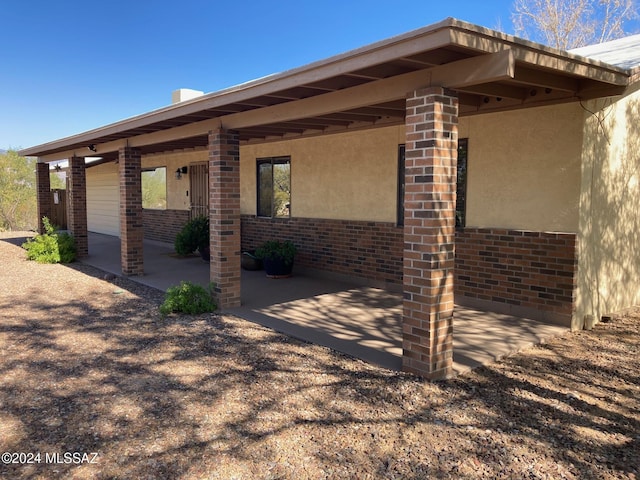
(194,236)
(277,257)
(249,261)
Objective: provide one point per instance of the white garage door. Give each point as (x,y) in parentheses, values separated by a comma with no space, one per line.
(103,199)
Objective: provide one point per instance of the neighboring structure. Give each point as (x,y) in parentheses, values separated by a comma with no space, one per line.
(449,162)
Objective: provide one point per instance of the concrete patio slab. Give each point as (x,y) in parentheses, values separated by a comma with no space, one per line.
(360,321)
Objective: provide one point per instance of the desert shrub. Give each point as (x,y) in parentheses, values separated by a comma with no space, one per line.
(51,247)
(193,236)
(188,298)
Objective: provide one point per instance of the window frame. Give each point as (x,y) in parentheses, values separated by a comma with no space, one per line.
(461,200)
(401,186)
(278,160)
(461,185)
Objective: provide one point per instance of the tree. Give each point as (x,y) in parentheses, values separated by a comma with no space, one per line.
(154,188)
(56,181)
(567,24)
(18,197)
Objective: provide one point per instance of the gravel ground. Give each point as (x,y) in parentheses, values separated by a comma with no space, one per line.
(98,384)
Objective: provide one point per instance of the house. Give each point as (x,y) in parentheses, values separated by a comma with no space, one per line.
(451,162)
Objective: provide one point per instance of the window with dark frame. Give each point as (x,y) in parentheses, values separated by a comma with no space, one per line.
(274,187)
(461,187)
(401,182)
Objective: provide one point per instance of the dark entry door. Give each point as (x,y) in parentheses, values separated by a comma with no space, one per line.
(199,179)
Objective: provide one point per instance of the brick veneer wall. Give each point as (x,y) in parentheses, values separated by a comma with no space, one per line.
(530,270)
(131,225)
(369,250)
(43,182)
(163,225)
(77,205)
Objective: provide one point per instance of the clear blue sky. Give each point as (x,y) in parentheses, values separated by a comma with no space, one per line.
(70,66)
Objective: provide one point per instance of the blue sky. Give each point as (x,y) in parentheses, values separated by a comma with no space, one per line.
(70,66)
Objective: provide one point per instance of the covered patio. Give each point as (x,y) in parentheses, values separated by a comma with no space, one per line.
(358,320)
(372,139)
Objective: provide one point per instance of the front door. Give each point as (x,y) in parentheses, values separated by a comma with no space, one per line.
(199,179)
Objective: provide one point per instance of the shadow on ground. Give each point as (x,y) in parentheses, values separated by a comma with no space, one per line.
(98,370)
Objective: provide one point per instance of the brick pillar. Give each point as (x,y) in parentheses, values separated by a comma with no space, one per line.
(429,232)
(77,205)
(224,216)
(131,229)
(43,185)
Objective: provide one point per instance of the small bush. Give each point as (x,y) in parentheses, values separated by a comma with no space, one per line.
(193,236)
(277,250)
(188,298)
(51,247)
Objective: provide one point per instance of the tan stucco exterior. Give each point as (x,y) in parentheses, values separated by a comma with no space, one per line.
(609,266)
(177,190)
(524,168)
(524,171)
(103,194)
(344,176)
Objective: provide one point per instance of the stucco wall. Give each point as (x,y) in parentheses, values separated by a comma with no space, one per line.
(524,168)
(609,263)
(103,194)
(524,171)
(177,198)
(345,176)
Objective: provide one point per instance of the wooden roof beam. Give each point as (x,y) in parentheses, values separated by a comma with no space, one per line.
(475,70)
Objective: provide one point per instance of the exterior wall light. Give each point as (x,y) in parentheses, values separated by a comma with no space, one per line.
(180,171)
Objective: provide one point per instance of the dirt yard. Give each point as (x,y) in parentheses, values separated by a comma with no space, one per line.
(94,383)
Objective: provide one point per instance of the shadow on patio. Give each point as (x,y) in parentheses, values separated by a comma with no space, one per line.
(357,320)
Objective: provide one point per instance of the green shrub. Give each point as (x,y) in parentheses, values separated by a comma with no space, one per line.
(51,247)
(188,298)
(277,250)
(193,236)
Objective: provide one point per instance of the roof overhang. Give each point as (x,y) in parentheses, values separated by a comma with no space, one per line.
(367,87)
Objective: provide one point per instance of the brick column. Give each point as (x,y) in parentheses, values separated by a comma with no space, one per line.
(429,232)
(77,205)
(224,216)
(131,224)
(43,186)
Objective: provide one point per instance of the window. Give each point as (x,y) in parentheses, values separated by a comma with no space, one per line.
(274,187)
(401,180)
(461,187)
(154,188)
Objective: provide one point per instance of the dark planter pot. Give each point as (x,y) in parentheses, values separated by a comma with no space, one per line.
(276,268)
(250,261)
(205,252)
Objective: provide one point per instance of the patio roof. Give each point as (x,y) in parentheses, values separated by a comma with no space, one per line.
(366,87)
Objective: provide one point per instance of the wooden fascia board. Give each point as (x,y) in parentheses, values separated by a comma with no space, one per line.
(541,56)
(338,65)
(446,33)
(480,69)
